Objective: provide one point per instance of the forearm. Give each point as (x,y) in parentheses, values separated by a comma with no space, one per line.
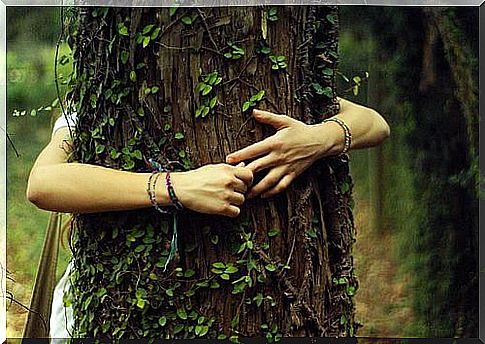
(83,188)
(368,129)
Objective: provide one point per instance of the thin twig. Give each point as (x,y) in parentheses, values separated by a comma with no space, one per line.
(242,126)
(202,15)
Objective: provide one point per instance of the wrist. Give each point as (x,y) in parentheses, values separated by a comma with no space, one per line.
(180,184)
(330,138)
(162,196)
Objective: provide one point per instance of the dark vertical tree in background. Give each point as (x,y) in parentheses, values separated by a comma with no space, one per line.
(178,85)
(425,66)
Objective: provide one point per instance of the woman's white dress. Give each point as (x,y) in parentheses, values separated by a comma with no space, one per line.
(62,321)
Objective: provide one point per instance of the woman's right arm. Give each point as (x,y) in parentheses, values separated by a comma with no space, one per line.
(57,185)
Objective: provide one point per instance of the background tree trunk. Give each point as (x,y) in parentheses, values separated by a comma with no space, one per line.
(137,89)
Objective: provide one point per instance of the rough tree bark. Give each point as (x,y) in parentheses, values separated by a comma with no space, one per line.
(138,89)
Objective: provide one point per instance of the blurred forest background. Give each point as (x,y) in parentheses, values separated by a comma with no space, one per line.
(416,196)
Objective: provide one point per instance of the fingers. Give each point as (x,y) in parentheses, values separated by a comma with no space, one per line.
(263,163)
(249,152)
(269,181)
(241,187)
(231,211)
(282,185)
(276,121)
(236,198)
(244,174)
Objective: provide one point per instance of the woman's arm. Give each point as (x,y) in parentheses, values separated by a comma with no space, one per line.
(297,145)
(367,126)
(57,185)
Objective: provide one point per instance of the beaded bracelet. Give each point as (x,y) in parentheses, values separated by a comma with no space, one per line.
(151,192)
(171,193)
(151,189)
(347,133)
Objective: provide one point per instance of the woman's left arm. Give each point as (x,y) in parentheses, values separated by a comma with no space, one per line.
(296,145)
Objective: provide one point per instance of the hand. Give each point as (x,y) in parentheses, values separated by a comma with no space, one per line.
(213,189)
(289,152)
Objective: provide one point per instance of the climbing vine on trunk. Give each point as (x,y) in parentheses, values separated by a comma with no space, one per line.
(177,85)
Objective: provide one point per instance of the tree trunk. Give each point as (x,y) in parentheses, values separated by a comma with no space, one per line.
(179,85)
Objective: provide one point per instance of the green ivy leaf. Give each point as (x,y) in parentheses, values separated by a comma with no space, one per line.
(215,239)
(182,314)
(225,277)
(206,89)
(123,30)
(235,321)
(242,247)
(273,232)
(162,321)
(147,29)
(133,76)
(137,155)
(140,303)
(187,20)
(213,102)
(270,267)
(350,290)
(178,328)
(311,233)
(99,149)
(146,41)
(355,90)
(246,106)
(179,136)
(328,92)
(173,9)
(205,111)
(258,299)
(124,56)
(231,270)
(215,285)
(260,95)
(155,34)
(189,273)
(219,265)
(332,18)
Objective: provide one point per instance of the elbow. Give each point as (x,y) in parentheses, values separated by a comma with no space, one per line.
(384,131)
(35,192)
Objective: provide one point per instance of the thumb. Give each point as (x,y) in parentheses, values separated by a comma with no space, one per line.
(276,121)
